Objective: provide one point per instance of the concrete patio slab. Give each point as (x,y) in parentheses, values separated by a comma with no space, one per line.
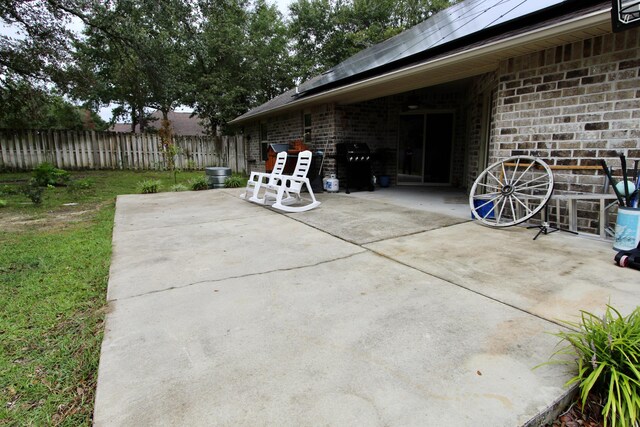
(358,220)
(219,237)
(286,324)
(356,341)
(553,277)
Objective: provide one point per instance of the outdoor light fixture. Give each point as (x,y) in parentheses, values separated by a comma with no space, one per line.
(625,14)
(412,103)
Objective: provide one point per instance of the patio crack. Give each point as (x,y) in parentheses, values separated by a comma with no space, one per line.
(444,279)
(241,276)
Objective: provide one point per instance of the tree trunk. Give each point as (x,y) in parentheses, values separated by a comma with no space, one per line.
(143,123)
(134,120)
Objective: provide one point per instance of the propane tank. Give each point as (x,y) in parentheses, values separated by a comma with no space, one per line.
(331,184)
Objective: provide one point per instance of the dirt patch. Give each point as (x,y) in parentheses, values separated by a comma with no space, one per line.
(49,220)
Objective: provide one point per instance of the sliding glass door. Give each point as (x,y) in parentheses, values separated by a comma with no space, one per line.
(425,143)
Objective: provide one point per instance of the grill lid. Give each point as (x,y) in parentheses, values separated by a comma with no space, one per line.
(346,148)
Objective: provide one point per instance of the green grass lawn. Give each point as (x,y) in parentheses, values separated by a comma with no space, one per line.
(54,268)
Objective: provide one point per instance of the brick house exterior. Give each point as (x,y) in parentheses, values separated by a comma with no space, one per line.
(570,98)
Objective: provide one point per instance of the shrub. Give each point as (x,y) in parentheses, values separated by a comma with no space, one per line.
(3,203)
(149,186)
(6,190)
(80,184)
(46,174)
(608,359)
(178,187)
(34,191)
(235,181)
(199,183)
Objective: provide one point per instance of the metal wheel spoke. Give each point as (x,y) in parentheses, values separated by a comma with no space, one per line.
(493,208)
(523,205)
(513,211)
(515,170)
(504,173)
(494,177)
(487,202)
(534,179)
(544,184)
(529,196)
(504,202)
(493,193)
(492,187)
(523,173)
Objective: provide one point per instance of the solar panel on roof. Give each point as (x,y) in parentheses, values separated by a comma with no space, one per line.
(448,25)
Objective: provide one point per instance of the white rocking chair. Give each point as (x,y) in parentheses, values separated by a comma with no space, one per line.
(287,191)
(259,179)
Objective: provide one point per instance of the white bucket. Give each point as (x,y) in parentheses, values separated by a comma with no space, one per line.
(331,184)
(627,229)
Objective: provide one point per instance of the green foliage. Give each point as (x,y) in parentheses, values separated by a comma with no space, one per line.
(80,184)
(326,32)
(26,106)
(178,187)
(3,203)
(235,181)
(46,174)
(34,191)
(198,183)
(45,41)
(8,190)
(608,360)
(149,186)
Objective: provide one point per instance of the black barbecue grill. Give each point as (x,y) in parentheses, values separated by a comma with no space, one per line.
(355,158)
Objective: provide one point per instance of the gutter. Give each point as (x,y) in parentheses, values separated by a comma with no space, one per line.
(580,23)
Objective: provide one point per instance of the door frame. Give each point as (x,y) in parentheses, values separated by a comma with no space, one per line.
(424,113)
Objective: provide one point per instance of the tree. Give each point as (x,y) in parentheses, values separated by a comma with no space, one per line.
(326,32)
(39,43)
(219,68)
(310,29)
(28,107)
(135,55)
(268,57)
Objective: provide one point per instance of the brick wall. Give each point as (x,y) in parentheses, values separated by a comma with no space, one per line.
(481,91)
(372,122)
(572,105)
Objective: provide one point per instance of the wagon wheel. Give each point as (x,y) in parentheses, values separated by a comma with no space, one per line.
(511,191)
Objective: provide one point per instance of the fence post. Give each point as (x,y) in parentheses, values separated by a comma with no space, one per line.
(3,150)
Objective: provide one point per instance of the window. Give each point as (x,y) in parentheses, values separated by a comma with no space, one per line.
(264,141)
(307,127)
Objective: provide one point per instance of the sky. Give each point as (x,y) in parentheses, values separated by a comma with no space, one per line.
(283,6)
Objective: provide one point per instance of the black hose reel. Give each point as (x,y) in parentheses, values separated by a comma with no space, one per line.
(630,258)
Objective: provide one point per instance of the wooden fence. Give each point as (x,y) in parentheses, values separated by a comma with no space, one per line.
(26,149)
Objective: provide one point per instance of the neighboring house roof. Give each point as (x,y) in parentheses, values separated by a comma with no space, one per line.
(466,39)
(121,127)
(181,123)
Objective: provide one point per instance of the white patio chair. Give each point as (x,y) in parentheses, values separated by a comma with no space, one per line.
(257,180)
(287,191)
